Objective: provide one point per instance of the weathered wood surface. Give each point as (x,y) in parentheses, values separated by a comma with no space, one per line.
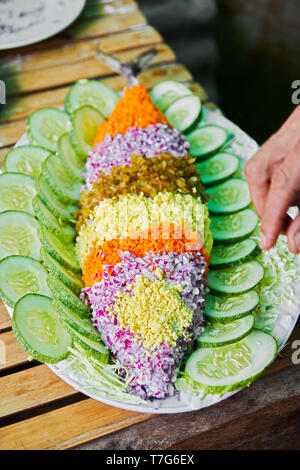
(38,410)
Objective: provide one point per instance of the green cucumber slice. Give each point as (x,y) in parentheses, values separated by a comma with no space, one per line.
(229,368)
(69,158)
(165,93)
(206,140)
(46,125)
(21,275)
(233,227)
(36,325)
(72,280)
(64,212)
(223,256)
(93,93)
(63,253)
(217,335)
(26,159)
(240,170)
(93,347)
(62,293)
(16,192)
(19,235)
(224,309)
(67,190)
(218,168)
(237,279)
(86,121)
(45,217)
(184,112)
(231,196)
(83,325)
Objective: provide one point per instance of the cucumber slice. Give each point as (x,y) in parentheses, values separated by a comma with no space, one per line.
(64,213)
(206,140)
(16,192)
(84,326)
(218,168)
(223,256)
(236,280)
(45,217)
(71,161)
(62,293)
(240,170)
(46,125)
(19,235)
(21,275)
(217,335)
(26,159)
(226,308)
(86,121)
(94,348)
(228,197)
(93,93)
(36,325)
(63,253)
(67,190)
(229,368)
(233,227)
(72,280)
(165,93)
(184,112)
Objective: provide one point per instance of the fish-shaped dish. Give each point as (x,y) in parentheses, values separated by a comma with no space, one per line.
(129,250)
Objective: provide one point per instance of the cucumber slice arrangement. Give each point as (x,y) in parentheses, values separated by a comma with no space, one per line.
(217,168)
(63,253)
(26,159)
(206,140)
(45,126)
(36,324)
(223,256)
(19,235)
(82,325)
(184,112)
(233,227)
(72,163)
(64,231)
(93,93)
(63,212)
(228,197)
(165,93)
(72,280)
(221,334)
(228,308)
(16,192)
(231,367)
(20,275)
(86,121)
(67,190)
(237,279)
(62,293)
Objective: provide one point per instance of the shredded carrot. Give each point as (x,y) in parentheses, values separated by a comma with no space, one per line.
(180,239)
(134,109)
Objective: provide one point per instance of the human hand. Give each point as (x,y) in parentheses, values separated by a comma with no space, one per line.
(273,175)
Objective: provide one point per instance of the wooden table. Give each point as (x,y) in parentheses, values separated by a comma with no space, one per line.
(37,409)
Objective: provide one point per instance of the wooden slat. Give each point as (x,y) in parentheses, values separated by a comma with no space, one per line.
(77,52)
(10,132)
(31,388)
(90,67)
(14,354)
(5,321)
(67,426)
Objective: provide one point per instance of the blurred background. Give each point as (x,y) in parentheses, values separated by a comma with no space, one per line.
(245,53)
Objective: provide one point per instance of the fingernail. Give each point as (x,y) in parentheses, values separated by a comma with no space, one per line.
(297,241)
(263,241)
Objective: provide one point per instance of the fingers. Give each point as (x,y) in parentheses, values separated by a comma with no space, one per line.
(293,235)
(285,182)
(258,180)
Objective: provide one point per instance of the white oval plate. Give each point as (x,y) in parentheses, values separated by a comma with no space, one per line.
(287,317)
(26,22)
